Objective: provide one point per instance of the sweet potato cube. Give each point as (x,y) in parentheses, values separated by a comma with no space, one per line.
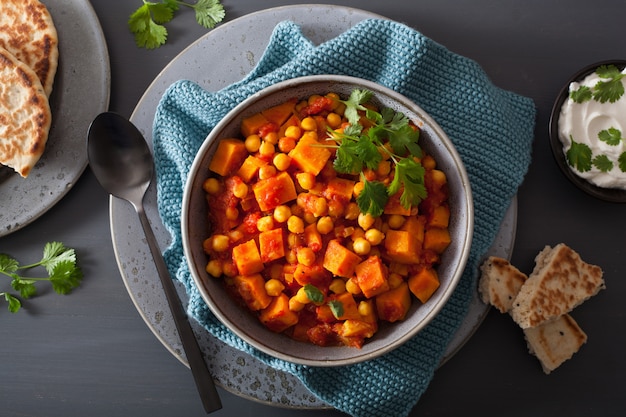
(271,245)
(415,226)
(247,258)
(274,191)
(357,328)
(440,217)
(339,260)
(250,167)
(252,124)
(280,113)
(228,157)
(402,247)
(309,155)
(313,238)
(314,275)
(394,304)
(277,316)
(252,290)
(339,188)
(424,284)
(436,239)
(371,275)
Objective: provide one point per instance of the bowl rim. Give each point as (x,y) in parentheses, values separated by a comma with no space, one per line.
(467,226)
(613,195)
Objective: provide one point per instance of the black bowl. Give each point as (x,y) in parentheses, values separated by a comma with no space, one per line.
(607,194)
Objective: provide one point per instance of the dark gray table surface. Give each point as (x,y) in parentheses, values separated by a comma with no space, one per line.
(91,354)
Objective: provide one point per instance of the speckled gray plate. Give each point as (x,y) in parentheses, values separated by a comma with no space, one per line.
(240,43)
(83,69)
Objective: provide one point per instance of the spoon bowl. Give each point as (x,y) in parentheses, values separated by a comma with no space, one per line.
(121,161)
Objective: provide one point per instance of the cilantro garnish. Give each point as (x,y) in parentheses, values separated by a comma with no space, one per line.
(336,307)
(147,22)
(313,293)
(603,163)
(611,136)
(579,156)
(58,261)
(388,132)
(610,88)
(621,161)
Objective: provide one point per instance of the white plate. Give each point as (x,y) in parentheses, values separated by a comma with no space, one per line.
(81,91)
(240,44)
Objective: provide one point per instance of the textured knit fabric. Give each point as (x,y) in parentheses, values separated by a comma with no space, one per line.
(491,128)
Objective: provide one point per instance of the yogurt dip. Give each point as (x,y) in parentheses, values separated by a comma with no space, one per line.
(592,128)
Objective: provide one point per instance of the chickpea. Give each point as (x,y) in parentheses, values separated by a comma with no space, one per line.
(374,236)
(366,220)
(338,286)
(306,256)
(232,213)
(271,137)
(274,287)
(333,120)
(265,223)
(220,243)
(267,171)
(383,169)
(308,123)
(301,296)
(396,221)
(335,208)
(325,225)
(230,270)
(295,305)
(361,246)
(252,143)
(365,308)
(295,224)
(320,207)
(309,217)
(214,268)
(352,287)
(293,132)
(306,180)
(211,186)
(428,162)
(267,149)
(281,161)
(282,213)
(240,190)
(310,134)
(313,98)
(291,256)
(358,187)
(235,235)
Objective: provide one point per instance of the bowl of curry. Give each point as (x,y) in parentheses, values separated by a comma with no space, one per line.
(326,220)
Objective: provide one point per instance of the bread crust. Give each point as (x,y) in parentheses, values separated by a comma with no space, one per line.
(560,281)
(28,32)
(25,115)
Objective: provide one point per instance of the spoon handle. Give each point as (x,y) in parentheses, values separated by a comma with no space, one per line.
(204,381)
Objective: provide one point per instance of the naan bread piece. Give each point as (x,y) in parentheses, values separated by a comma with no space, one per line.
(555,342)
(28,32)
(25,115)
(560,281)
(499,283)
(552,342)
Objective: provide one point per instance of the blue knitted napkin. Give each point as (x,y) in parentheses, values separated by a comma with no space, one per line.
(491,128)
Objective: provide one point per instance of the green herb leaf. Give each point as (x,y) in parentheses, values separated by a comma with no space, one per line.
(611,136)
(8,265)
(372,198)
(579,156)
(582,94)
(26,287)
(14,303)
(314,294)
(603,163)
(355,103)
(411,175)
(209,13)
(336,307)
(621,160)
(612,89)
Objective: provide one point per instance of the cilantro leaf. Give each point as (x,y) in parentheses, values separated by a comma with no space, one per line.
(14,302)
(65,277)
(336,307)
(355,103)
(581,95)
(347,158)
(410,174)
(612,89)
(611,136)
(26,287)
(8,265)
(313,293)
(621,160)
(603,163)
(579,156)
(373,198)
(209,13)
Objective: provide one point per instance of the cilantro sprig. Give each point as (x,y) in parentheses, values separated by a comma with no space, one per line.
(610,88)
(60,264)
(388,133)
(147,22)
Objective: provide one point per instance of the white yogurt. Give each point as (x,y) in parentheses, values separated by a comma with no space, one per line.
(584,121)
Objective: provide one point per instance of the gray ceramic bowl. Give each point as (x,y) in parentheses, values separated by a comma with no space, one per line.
(195,227)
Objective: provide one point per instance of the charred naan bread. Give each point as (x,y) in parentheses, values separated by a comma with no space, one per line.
(28,32)
(25,115)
